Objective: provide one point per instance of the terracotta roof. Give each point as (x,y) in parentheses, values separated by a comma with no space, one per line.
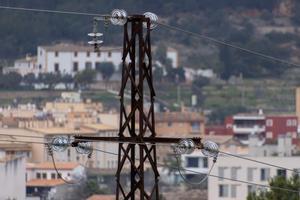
(49,165)
(178,117)
(44,182)
(101,127)
(62,131)
(101,197)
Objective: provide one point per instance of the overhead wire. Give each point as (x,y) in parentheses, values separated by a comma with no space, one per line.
(224,43)
(257,161)
(148,144)
(53,11)
(212,175)
(164,25)
(169,166)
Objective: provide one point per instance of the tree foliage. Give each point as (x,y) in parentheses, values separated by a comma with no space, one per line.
(106,69)
(85,77)
(292,183)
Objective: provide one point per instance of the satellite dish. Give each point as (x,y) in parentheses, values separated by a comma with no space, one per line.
(95,34)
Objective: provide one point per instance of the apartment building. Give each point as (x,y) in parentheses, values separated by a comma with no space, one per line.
(236,168)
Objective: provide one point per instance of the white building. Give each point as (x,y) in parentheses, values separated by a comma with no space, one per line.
(12,172)
(23,66)
(235,168)
(68,58)
(71,58)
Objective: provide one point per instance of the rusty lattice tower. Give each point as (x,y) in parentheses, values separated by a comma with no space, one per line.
(136,76)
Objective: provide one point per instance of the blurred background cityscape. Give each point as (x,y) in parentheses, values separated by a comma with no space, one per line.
(53,84)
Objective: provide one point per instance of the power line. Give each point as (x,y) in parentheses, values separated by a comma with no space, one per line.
(151,144)
(257,161)
(214,176)
(164,165)
(53,11)
(174,28)
(223,43)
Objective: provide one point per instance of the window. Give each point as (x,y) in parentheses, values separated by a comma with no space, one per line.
(288,122)
(223,190)
(264,174)
(221,171)
(99,54)
(205,162)
(56,53)
(234,172)
(75,66)
(38,175)
(88,65)
(109,54)
(44,176)
(294,122)
(269,122)
(40,66)
(98,66)
(195,126)
(75,54)
(250,172)
(281,172)
(56,67)
(53,176)
(88,54)
(233,191)
(69,152)
(192,162)
(41,52)
(169,124)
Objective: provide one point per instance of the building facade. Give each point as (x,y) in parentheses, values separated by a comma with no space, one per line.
(235,168)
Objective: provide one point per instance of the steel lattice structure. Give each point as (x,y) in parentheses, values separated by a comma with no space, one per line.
(137,74)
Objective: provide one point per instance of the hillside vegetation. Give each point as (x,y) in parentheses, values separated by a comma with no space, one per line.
(237,21)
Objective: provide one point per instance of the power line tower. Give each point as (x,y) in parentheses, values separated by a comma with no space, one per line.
(137,137)
(137,74)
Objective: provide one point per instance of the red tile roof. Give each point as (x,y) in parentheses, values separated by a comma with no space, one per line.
(44,182)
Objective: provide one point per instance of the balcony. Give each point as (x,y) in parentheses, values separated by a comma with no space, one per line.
(248,129)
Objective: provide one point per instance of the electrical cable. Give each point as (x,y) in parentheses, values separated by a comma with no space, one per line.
(257,161)
(150,144)
(193,34)
(187,170)
(214,176)
(223,43)
(179,168)
(53,11)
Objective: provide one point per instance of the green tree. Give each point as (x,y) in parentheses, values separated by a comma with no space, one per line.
(106,69)
(292,183)
(11,80)
(67,79)
(50,79)
(29,79)
(85,77)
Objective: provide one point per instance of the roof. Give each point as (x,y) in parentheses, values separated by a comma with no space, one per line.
(69,47)
(219,139)
(178,117)
(49,165)
(101,127)
(62,131)
(101,197)
(44,182)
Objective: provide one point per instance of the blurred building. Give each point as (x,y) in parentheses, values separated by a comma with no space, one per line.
(236,168)
(12,169)
(42,180)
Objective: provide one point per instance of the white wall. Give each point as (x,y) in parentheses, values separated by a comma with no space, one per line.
(12,179)
(228,164)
